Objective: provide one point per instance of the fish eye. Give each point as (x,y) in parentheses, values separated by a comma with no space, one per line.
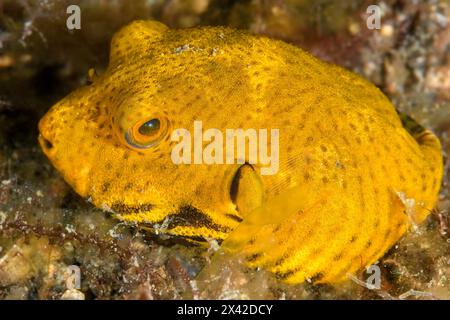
(147,134)
(150,127)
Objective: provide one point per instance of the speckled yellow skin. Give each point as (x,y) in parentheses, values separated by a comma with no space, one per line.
(333,207)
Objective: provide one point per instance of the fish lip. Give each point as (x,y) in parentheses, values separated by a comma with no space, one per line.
(46,144)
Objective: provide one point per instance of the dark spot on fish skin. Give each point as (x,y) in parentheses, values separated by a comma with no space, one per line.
(377,223)
(105,186)
(337,257)
(344,138)
(277,228)
(233,217)
(286,274)
(435,182)
(128,186)
(387,234)
(317,277)
(308,160)
(254,257)
(281,260)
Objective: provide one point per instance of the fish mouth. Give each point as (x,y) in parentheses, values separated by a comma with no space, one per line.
(43,129)
(45,143)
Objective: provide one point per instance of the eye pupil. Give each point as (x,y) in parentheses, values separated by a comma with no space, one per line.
(150,127)
(144,135)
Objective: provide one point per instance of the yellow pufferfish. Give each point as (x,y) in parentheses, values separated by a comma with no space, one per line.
(353,177)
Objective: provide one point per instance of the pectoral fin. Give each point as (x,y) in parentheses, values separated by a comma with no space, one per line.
(247,190)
